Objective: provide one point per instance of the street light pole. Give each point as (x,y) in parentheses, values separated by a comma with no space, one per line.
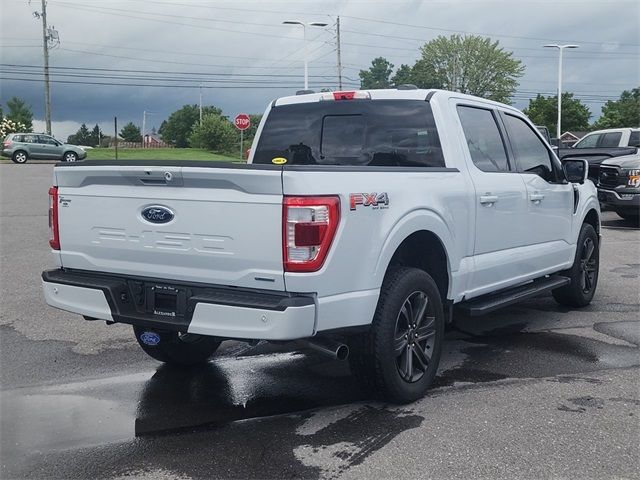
(144,124)
(304,29)
(560,48)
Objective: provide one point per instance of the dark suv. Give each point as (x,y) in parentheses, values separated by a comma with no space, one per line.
(20,147)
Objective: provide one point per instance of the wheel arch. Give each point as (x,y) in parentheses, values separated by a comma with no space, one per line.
(70,151)
(420,241)
(593,218)
(18,151)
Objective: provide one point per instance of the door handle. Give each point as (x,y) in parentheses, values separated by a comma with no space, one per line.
(536,197)
(488,199)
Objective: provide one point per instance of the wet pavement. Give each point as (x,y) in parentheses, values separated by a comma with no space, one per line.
(536,390)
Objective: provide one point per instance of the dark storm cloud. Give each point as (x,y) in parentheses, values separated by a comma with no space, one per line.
(242,38)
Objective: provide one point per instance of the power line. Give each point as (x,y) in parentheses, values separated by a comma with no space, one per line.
(541,39)
(109,84)
(238,81)
(127,14)
(374,20)
(125,70)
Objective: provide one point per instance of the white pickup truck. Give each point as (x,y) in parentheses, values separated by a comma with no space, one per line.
(361,220)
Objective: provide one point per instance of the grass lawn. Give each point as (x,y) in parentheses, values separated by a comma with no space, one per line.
(156,154)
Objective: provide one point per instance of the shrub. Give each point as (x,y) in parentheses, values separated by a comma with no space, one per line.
(216,133)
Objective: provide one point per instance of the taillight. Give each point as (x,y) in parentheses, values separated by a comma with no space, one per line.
(309,225)
(7,143)
(54,241)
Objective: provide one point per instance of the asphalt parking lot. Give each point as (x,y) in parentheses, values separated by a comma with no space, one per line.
(534,391)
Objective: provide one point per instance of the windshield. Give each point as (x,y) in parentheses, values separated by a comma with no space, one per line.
(354,132)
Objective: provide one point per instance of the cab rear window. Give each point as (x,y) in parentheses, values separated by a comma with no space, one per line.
(354,132)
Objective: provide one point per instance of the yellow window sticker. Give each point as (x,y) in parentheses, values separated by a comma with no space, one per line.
(279,160)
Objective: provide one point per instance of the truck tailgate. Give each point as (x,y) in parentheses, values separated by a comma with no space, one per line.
(224,224)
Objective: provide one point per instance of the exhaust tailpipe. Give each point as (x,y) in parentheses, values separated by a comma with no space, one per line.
(326,346)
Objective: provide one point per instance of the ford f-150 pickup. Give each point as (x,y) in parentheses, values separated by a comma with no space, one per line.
(360,223)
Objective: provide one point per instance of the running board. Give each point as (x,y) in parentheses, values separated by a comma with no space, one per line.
(493,301)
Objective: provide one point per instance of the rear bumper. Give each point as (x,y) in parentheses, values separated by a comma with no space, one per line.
(203,309)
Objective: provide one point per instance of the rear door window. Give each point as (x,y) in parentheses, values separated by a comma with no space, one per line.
(610,139)
(399,133)
(47,140)
(30,139)
(483,139)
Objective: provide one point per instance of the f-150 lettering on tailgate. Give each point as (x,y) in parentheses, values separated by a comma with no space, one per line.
(204,243)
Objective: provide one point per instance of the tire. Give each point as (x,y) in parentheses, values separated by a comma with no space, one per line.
(392,359)
(583,273)
(70,157)
(20,156)
(176,348)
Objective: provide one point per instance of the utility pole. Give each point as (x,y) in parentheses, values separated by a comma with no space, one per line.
(45,45)
(338,50)
(144,123)
(200,104)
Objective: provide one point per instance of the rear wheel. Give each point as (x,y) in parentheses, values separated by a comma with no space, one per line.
(176,348)
(20,157)
(400,355)
(583,273)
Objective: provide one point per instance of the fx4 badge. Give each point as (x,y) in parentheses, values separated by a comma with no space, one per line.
(374,200)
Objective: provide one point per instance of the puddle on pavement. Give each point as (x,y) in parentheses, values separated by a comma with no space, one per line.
(232,388)
(36,423)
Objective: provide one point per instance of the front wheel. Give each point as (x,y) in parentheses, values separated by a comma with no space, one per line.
(176,348)
(70,157)
(583,273)
(400,355)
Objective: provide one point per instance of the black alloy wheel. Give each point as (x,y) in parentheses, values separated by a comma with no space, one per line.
(414,336)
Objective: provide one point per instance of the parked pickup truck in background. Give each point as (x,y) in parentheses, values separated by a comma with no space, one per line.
(615,137)
(361,221)
(619,186)
(601,145)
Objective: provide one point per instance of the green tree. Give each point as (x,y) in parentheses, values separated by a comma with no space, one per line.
(95,136)
(404,75)
(177,128)
(378,75)
(468,64)
(216,133)
(624,112)
(131,133)
(81,137)
(544,111)
(20,112)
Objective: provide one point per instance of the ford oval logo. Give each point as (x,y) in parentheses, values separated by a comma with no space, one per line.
(157,214)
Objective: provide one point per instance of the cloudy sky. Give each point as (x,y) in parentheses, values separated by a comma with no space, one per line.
(120,58)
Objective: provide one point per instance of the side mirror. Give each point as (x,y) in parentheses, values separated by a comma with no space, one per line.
(576,170)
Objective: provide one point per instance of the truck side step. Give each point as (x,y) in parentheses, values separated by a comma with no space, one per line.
(493,301)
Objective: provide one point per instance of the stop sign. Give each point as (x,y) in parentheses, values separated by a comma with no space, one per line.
(242,121)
